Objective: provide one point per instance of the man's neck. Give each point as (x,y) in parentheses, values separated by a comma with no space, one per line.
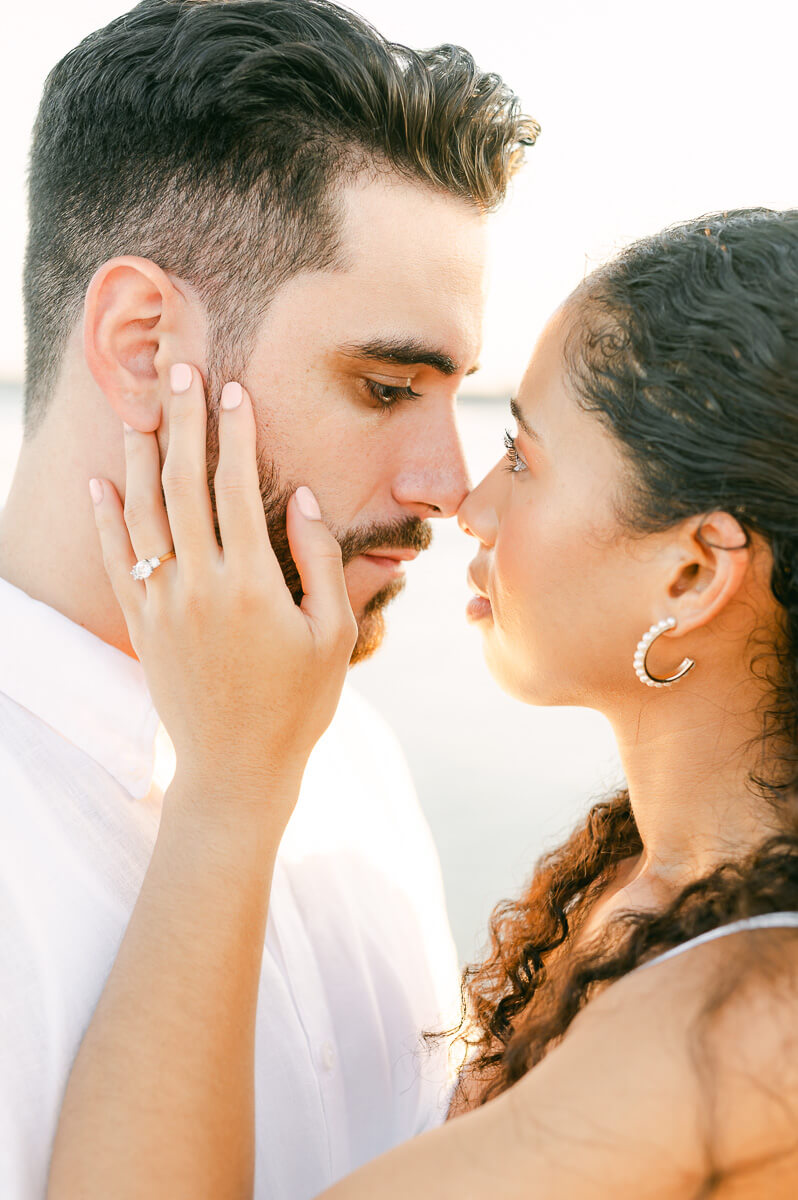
(48,542)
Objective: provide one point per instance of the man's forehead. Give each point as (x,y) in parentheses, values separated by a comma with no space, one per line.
(417,233)
(377,321)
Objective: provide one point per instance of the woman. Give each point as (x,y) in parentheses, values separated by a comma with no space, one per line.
(638,553)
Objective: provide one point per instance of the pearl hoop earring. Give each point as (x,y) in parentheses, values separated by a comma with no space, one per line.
(641,655)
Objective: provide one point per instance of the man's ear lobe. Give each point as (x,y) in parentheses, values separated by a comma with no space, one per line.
(711,571)
(129,308)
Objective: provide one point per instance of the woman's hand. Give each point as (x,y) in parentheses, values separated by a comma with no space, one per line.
(161,1098)
(243,679)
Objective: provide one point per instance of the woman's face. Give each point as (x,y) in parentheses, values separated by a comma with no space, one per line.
(567,593)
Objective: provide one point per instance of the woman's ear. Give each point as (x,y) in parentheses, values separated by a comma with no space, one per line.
(131,308)
(715,557)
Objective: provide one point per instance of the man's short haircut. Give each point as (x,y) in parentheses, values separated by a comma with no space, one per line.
(208,136)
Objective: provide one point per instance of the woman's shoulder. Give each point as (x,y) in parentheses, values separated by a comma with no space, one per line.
(678,1075)
(674,1082)
(706,985)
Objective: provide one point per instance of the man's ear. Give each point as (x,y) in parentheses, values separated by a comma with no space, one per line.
(714,558)
(133,321)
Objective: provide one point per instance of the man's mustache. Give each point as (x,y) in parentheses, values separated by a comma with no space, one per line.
(410,533)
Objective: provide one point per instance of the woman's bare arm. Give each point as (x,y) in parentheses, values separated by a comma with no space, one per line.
(160,1102)
(160,1099)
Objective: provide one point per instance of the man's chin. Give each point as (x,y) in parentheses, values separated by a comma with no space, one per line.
(371,622)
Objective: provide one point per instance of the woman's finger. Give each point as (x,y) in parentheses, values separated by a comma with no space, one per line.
(318,559)
(239,503)
(185,472)
(118,553)
(145,512)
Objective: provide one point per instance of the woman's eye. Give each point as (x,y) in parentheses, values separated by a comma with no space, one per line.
(515,462)
(387,395)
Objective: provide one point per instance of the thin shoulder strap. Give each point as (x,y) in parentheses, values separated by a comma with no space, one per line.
(777,920)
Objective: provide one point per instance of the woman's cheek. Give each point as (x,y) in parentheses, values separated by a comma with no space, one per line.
(516,565)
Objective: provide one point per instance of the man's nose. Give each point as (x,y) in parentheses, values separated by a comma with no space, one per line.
(433,476)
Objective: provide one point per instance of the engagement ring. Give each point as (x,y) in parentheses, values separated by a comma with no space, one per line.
(145,566)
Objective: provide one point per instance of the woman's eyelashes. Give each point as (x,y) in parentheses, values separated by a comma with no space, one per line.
(515,462)
(388,395)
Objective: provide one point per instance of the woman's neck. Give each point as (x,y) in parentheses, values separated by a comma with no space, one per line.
(689,765)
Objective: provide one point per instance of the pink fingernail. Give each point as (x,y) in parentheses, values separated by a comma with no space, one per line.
(308,504)
(232,395)
(96,489)
(180,378)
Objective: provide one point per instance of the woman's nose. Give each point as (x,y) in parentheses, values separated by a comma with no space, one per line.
(477,515)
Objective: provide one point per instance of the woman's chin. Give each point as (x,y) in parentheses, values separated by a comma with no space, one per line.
(500,660)
(504,672)
(509,674)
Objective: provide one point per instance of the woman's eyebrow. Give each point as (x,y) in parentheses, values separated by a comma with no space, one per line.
(405,353)
(515,409)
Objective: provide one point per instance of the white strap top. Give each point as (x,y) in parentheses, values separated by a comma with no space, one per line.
(776,920)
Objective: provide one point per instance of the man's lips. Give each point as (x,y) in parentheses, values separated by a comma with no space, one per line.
(378,568)
(389,562)
(395,555)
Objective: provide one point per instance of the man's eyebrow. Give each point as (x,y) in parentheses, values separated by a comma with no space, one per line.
(404,354)
(521,419)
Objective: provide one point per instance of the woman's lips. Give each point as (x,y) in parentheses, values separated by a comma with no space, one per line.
(479,606)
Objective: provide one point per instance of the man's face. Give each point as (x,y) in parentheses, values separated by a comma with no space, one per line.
(401,320)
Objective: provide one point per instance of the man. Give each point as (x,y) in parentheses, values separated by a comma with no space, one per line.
(269,190)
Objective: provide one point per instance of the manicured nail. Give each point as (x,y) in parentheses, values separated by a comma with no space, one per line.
(308,504)
(127,428)
(180,378)
(96,489)
(232,395)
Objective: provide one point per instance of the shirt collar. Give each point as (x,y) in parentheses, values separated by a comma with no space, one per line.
(87,691)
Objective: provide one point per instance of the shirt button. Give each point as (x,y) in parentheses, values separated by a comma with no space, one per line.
(328,1056)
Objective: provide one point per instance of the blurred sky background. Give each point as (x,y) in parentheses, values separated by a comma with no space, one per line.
(651,113)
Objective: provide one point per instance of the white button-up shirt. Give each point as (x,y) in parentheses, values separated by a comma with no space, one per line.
(358,957)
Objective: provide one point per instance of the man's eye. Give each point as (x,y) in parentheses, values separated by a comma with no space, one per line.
(387,396)
(515,462)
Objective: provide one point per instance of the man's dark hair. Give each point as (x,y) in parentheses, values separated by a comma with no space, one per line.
(209,136)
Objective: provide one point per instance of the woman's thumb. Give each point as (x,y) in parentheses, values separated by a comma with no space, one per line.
(317,555)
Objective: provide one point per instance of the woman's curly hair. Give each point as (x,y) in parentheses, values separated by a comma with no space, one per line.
(686,348)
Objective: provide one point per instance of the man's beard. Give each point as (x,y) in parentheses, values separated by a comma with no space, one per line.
(409,534)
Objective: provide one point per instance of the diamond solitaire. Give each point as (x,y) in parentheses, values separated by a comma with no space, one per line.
(145,566)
